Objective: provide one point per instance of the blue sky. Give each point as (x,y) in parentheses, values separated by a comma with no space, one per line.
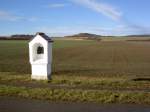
(65,17)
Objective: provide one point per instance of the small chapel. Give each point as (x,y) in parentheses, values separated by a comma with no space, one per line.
(40,55)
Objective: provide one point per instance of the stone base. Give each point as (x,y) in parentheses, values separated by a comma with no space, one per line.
(36,77)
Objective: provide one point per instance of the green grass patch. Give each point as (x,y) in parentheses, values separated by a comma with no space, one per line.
(76,95)
(84,82)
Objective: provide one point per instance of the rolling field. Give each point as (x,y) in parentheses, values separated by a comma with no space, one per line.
(106,59)
(84,67)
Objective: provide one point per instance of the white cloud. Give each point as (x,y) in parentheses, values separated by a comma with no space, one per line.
(4,15)
(124,28)
(7,16)
(103,8)
(57,5)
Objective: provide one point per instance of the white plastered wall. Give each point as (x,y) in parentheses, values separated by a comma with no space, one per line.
(40,63)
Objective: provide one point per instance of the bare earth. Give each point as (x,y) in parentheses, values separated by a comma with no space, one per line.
(8,104)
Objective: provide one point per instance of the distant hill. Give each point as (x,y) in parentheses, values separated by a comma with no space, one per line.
(85,36)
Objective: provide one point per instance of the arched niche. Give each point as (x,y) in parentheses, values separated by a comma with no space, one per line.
(38,51)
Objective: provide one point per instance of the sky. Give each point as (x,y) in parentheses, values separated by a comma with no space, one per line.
(67,17)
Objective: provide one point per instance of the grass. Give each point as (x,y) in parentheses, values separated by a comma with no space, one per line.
(83,82)
(86,65)
(76,95)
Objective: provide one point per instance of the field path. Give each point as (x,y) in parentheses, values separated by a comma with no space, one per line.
(9,104)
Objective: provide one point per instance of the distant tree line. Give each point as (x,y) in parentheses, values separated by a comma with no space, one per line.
(137,36)
(17,37)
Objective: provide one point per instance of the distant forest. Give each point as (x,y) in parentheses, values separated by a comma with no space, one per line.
(17,37)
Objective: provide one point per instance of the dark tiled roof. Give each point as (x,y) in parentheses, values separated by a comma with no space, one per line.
(44,36)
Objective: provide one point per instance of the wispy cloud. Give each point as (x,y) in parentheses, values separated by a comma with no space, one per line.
(102,8)
(4,15)
(125,27)
(57,5)
(8,16)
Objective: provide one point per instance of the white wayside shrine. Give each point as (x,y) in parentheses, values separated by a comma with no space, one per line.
(40,53)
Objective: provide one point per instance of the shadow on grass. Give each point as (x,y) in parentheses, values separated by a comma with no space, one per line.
(141,79)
